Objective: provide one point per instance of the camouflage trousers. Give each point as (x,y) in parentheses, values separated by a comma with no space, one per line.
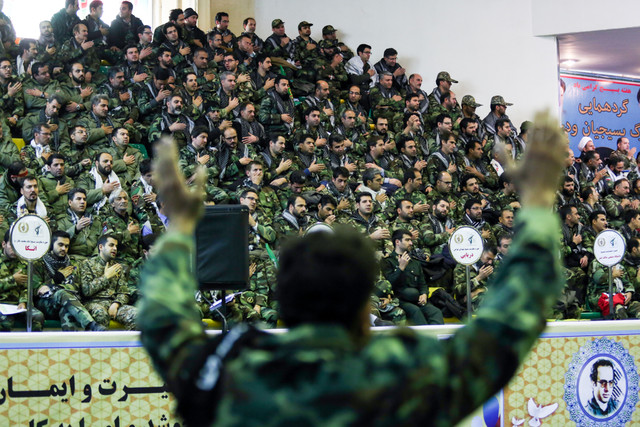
(99,309)
(261,288)
(7,322)
(391,312)
(63,305)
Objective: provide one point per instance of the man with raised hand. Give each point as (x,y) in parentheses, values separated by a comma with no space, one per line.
(324,287)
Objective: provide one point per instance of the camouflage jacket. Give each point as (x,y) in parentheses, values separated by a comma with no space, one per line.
(95,286)
(83,242)
(10,291)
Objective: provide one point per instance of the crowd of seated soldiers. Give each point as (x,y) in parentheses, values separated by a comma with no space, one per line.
(301,132)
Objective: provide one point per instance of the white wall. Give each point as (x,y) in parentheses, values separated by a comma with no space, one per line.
(487,45)
(574,16)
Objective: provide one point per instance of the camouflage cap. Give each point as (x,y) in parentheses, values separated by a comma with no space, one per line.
(328,29)
(443,75)
(498,100)
(327,44)
(470,101)
(304,24)
(276,23)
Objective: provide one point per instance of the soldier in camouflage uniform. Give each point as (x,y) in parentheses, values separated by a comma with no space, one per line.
(472,162)
(78,48)
(293,220)
(307,161)
(38,88)
(438,226)
(312,127)
(369,224)
(57,294)
(330,68)
(11,95)
(479,274)
(258,303)
(231,161)
(352,102)
(127,227)
(206,75)
(50,116)
(126,159)
(35,154)
(322,101)
(616,203)
(122,104)
(172,121)
(76,94)
(268,201)
(443,85)
(55,184)
(277,111)
(8,150)
(305,52)
(385,305)
(78,157)
(198,153)
(339,189)
(507,197)
(98,123)
(135,72)
(104,286)
(152,94)
(386,101)
(444,159)
(13,286)
(318,339)
(448,107)
(194,98)
(277,162)
(411,190)
(81,224)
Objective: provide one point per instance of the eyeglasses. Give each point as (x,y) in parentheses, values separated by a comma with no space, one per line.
(354,93)
(5,67)
(605,383)
(231,138)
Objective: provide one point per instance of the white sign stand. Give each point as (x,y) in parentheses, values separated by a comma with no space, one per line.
(609,248)
(30,239)
(466,246)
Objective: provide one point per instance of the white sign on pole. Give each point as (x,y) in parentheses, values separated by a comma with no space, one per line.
(465,245)
(609,247)
(30,237)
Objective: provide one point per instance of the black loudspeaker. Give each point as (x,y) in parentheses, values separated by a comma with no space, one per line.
(222,248)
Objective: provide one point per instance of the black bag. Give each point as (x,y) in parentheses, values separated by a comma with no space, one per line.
(445,302)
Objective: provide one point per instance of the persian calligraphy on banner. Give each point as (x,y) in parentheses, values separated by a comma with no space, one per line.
(604,109)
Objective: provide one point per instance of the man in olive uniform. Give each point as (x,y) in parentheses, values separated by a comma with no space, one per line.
(409,284)
(82,225)
(57,294)
(198,153)
(104,286)
(55,185)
